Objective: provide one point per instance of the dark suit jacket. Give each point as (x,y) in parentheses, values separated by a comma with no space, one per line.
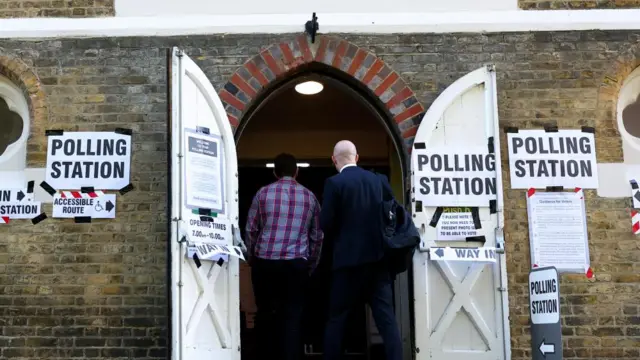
(350,216)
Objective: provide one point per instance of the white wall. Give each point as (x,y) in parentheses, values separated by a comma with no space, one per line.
(220,7)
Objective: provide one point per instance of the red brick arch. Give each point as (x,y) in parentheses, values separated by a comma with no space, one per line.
(278,61)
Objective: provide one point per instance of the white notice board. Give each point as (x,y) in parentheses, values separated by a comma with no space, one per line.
(204,171)
(558,230)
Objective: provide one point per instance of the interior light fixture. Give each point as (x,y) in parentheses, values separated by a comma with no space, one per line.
(304,165)
(309,87)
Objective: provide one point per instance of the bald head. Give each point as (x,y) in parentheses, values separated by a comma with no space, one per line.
(344,153)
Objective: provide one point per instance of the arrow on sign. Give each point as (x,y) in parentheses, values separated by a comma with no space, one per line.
(637,195)
(20,195)
(109,206)
(547,348)
(440,252)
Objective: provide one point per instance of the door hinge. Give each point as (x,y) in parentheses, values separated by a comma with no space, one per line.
(502,289)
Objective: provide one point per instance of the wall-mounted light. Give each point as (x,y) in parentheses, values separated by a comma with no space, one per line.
(309,87)
(304,165)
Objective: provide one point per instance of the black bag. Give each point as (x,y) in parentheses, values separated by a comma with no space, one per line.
(400,236)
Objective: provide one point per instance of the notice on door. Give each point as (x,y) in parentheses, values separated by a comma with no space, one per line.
(206,229)
(204,172)
(101,160)
(538,159)
(558,230)
(454,177)
(456,224)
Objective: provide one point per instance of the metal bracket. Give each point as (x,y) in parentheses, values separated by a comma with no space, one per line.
(500,240)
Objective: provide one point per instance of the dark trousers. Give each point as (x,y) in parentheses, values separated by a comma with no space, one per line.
(351,287)
(279,289)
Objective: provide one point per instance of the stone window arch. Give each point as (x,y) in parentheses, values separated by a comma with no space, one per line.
(15,122)
(628,117)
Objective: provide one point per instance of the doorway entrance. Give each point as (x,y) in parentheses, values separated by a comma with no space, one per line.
(308,126)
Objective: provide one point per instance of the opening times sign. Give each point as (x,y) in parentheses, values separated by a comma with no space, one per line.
(454,177)
(539,159)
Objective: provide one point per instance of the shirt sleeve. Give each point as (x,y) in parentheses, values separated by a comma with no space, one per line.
(254,224)
(315,235)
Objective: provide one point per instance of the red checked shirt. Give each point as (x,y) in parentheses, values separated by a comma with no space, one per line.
(284,223)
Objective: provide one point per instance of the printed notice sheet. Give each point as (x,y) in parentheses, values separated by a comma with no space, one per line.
(204,172)
(558,230)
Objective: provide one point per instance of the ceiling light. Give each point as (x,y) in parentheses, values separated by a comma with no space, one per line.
(271,165)
(309,88)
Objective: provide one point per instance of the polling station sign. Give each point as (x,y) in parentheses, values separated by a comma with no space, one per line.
(101,160)
(539,159)
(454,177)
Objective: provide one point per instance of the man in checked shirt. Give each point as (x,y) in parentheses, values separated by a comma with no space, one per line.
(284,243)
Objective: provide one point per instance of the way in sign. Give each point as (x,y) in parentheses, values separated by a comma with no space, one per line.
(475,253)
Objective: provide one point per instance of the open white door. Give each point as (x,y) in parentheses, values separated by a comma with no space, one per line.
(461,308)
(205,301)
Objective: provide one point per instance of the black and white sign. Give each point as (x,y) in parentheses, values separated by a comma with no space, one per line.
(544,311)
(456,224)
(481,254)
(101,160)
(20,210)
(538,159)
(558,230)
(212,230)
(100,207)
(454,177)
(15,195)
(204,172)
(208,251)
(635,194)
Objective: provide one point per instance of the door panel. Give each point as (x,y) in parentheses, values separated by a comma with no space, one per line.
(461,308)
(205,294)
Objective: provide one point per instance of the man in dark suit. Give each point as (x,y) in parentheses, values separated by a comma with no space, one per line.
(350,219)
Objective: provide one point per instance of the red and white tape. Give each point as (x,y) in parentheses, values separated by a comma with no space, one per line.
(4,219)
(80,195)
(635,221)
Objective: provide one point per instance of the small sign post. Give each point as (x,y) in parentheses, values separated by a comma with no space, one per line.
(544,310)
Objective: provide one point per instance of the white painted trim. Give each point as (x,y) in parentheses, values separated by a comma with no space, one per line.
(436,22)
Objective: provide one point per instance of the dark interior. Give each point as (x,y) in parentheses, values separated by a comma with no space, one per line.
(251,179)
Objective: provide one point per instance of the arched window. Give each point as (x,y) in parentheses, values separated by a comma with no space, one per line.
(629,117)
(14,126)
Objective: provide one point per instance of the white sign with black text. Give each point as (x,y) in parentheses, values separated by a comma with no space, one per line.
(101,207)
(207,229)
(539,159)
(212,252)
(101,160)
(454,177)
(481,254)
(456,224)
(544,296)
(20,210)
(558,230)
(15,195)
(204,172)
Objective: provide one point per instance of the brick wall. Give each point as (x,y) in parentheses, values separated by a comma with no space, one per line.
(577,4)
(98,290)
(56,8)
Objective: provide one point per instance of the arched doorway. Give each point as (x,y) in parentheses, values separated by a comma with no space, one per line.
(363,100)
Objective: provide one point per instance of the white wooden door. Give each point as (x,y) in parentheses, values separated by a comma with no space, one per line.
(205,301)
(461,308)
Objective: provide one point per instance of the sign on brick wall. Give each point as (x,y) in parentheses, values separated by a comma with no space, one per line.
(541,158)
(101,160)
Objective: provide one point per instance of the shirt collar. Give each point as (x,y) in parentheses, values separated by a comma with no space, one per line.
(286,178)
(346,166)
